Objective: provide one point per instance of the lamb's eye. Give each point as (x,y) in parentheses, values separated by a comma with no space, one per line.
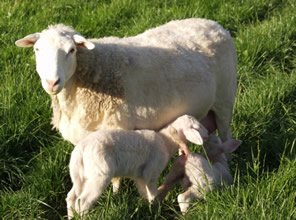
(72,50)
(36,49)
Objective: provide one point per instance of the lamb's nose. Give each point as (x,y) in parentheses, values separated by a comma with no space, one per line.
(52,83)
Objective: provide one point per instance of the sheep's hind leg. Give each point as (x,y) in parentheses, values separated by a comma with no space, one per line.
(93,188)
(223,117)
(223,108)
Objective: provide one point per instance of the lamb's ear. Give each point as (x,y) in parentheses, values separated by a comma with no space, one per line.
(82,42)
(196,136)
(28,41)
(191,129)
(231,145)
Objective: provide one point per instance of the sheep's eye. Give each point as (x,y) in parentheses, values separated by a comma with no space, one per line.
(36,49)
(72,50)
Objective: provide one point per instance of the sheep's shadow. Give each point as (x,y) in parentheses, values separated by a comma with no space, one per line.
(266,148)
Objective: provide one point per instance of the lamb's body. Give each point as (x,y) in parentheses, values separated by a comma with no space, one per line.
(201,176)
(141,155)
(104,155)
(146,81)
(200,173)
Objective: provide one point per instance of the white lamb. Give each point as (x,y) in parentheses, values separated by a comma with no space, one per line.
(140,82)
(141,155)
(200,173)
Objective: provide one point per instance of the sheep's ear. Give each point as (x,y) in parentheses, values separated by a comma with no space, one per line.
(82,42)
(231,145)
(28,41)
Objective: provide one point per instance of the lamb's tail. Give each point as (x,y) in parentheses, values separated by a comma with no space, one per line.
(77,170)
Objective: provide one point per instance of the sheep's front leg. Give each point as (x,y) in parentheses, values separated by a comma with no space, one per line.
(93,188)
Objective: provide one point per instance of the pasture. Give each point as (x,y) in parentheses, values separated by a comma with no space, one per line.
(34,175)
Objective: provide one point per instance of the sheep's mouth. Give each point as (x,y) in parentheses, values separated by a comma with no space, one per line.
(52,93)
(55,90)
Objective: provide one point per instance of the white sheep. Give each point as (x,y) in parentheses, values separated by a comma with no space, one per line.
(141,155)
(200,173)
(140,82)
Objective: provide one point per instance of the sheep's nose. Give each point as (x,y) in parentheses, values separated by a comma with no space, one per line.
(52,83)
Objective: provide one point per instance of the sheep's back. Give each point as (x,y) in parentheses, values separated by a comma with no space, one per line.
(194,34)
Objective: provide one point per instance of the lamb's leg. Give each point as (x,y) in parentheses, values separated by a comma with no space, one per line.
(71,198)
(151,188)
(147,189)
(184,199)
(141,186)
(115,184)
(93,188)
(176,173)
(185,183)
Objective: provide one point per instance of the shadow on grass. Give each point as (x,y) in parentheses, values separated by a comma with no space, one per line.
(19,149)
(275,139)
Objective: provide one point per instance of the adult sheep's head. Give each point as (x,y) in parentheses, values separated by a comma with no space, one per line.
(55,51)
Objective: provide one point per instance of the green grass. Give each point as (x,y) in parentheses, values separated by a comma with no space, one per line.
(34,177)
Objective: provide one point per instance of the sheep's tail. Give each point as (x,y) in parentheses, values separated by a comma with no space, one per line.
(77,170)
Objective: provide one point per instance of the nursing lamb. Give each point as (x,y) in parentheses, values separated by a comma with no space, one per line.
(140,82)
(200,173)
(141,155)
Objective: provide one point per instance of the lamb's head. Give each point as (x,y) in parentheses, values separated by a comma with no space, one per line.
(215,149)
(55,51)
(187,128)
(190,129)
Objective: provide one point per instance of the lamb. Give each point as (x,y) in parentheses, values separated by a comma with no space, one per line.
(198,174)
(140,82)
(141,155)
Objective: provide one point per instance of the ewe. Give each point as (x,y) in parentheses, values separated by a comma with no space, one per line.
(141,82)
(200,173)
(141,155)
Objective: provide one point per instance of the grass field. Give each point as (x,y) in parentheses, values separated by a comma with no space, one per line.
(34,177)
